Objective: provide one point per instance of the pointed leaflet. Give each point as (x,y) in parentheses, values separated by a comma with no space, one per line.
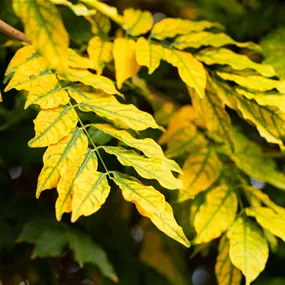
(52,125)
(100,24)
(268,219)
(151,203)
(137,22)
(148,146)
(171,27)
(69,174)
(226,273)
(149,168)
(201,169)
(77,61)
(248,248)
(197,40)
(237,61)
(216,214)
(190,70)
(72,146)
(100,52)
(79,9)
(126,65)
(124,116)
(149,54)
(45,29)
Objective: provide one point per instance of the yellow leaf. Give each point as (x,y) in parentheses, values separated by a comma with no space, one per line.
(45,29)
(148,54)
(248,248)
(171,27)
(126,65)
(124,116)
(77,61)
(216,214)
(1,99)
(137,22)
(52,125)
(237,61)
(268,219)
(199,39)
(100,24)
(149,168)
(69,174)
(73,145)
(78,9)
(226,273)
(148,146)
(151,203)
(190,70)
(100,52)
(201,169)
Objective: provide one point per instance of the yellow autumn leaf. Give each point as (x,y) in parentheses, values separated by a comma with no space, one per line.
(73,145)
(77,61)
(190,69)
(149,168)
(268,219)
(199,39)
(225,56)
(69,174)
(171,27)
(1,99)
(248,248)
(148,146)
(200,170)
(149,54)
(137,22)
(216,214)
(126,66)
(100,52)
(151,203)
(226,273)
(122,115)
(100,24)
(79,9)
(45,29)
(52,125)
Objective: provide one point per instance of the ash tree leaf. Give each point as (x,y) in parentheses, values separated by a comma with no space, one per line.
(149,54)
(149,168)
(248,248)
(52,125)
(45,29)
(100,24)
(226,273)
(77,61)
(151,203)
(268,219)
(79,9)
(216,214)
(126,66)
(137,22)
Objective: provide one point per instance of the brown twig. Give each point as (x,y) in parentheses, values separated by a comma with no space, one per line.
(13,33)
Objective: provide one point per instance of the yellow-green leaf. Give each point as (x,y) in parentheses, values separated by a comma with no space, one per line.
(201,169)
(100,24)
(79,9)
(45,29)
(268,219)
(73,145)
(226,273)
(248,248)
(149,168)
(171,27)
(148,146)
(149,54)
(151,203)
(126,66)
(216,214)
(69,174)
(237,61)
(77,61)
(52,125)
(190,70)
(100,52)
(197,40)
(124,116)
(137,22)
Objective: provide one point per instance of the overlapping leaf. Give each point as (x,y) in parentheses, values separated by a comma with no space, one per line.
(100,24)
(77,61)
(79,9)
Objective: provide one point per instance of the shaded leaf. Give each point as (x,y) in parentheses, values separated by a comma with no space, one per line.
(100,24)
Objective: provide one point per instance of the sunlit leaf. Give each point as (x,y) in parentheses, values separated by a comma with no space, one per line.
(126,66)
(248,248)
(79,9)
(216,214)
(77,61)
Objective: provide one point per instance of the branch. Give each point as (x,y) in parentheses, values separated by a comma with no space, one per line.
(13,33)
